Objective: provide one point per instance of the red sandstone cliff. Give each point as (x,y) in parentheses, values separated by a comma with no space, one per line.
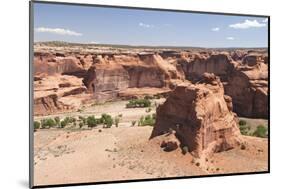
(201,116)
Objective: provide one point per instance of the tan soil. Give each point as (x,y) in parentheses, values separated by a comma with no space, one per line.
(81,155)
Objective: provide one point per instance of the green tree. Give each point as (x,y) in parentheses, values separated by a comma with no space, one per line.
(91,121)
(242,122)
(47,123)
(63,123)
(107,120)
(36,125)
(261,131)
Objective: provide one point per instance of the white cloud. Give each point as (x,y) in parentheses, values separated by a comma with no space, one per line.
(59,31)
(265,20)
(230,38)
(247,24)
(216,29)
(145,25)
(94,42)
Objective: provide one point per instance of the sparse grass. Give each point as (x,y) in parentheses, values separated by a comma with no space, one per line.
(147,120)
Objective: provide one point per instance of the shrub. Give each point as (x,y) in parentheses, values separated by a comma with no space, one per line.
(242,122)
(158,96)
(57,120)
(63,123)
(244,129)
(185,150)
(147,120)
(261,131)
(69,120)
(148,110)
(106,120)
(91,121)
(133,123)
(148,97)
(81,124)
(83,119)
(36,125)
(138,103)
(116,121)
(47,123)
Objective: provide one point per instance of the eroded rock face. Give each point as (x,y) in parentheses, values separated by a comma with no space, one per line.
(200,116)
(110,73)
(220,64)
(115,74)
(244,80)
(58,93)
(47,104)
(248,87)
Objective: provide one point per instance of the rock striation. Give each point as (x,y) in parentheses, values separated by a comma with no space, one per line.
(108,73)
(201,116)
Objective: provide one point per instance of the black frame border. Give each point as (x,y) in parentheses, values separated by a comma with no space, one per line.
(31,55)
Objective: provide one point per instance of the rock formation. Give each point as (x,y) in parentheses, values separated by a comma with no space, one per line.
(248,87)
(58,93)
(107,73)
(201,116)
(245,80)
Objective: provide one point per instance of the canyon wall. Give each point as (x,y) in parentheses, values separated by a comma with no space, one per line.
(118,73)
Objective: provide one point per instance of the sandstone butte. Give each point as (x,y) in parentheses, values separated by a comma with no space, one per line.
(201,117)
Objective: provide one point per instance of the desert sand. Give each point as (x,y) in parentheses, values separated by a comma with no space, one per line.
(73,155)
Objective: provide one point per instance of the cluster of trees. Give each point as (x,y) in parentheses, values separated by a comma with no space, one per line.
(138,103)
(91,121)
(245,129)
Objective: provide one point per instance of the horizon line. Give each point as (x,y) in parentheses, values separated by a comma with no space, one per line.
(140,46)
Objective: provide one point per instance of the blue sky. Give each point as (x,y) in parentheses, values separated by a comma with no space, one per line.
(146,27)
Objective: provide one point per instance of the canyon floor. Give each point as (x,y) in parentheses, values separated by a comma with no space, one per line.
(73,155)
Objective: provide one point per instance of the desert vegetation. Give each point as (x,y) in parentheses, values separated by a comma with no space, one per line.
(148,120)
(259,131)
(105,120)
(139,103)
